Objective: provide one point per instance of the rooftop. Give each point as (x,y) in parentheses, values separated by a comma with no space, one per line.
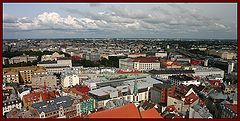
(52,105)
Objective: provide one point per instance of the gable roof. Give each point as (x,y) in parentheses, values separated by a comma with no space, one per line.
(126,111)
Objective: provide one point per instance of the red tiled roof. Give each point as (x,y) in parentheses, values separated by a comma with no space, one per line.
(35,96)
(177,116)
(232,107)
(213,82)
(81,90)
(128,72)
(126,111)
(190,99)
(170,108)
(150,113)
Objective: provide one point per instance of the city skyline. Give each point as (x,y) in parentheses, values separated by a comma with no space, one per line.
(120,20)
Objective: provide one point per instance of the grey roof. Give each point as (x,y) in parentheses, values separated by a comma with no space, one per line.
(203,112)
(218,95)
(49,106)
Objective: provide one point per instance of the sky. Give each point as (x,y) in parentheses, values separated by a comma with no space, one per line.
(120,20)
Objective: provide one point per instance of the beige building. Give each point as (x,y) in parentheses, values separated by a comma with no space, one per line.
(223,54)
(22,74)
(39,80)
(23,58)
(52,57)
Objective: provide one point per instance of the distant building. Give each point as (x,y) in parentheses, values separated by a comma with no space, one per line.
(161,54)
(23,58)
(56,66)
(224,54)
(52,57)
(140,64)
(183,79)
(93,56)
(168,64)
(136,55)
(165,73)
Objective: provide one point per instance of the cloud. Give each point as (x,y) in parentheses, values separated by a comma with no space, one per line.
(177,19)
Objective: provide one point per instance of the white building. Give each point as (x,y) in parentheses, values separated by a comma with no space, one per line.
(56,66)
(183,79)
(124,90)
(9,104)
(70,80)
(140,64)
(206,71)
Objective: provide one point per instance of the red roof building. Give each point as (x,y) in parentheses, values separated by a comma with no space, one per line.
(29,99)
(126,111)
(150,113)
(190,99)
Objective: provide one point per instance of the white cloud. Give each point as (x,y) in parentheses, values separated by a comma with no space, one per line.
(122,18)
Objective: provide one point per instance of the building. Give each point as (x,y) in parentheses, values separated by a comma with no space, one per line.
(160,92)
(35,97)
(161,54)
(23,58)
(165,73)
(135,91)
(52,57)
(85,103)
(183,79)
(168,64)
(93,56)
(4,60)
(206,71)
(126,111)
(224,54)
(39,81)
(229,111)
(136,55)
(10,104)
(22,113)
(70,80)
(56,66)
(198,111)
(140,64)
(60,107)
(184,102)
(22,75)
(10,76)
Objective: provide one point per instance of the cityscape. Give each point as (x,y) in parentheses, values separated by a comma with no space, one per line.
(60,61)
